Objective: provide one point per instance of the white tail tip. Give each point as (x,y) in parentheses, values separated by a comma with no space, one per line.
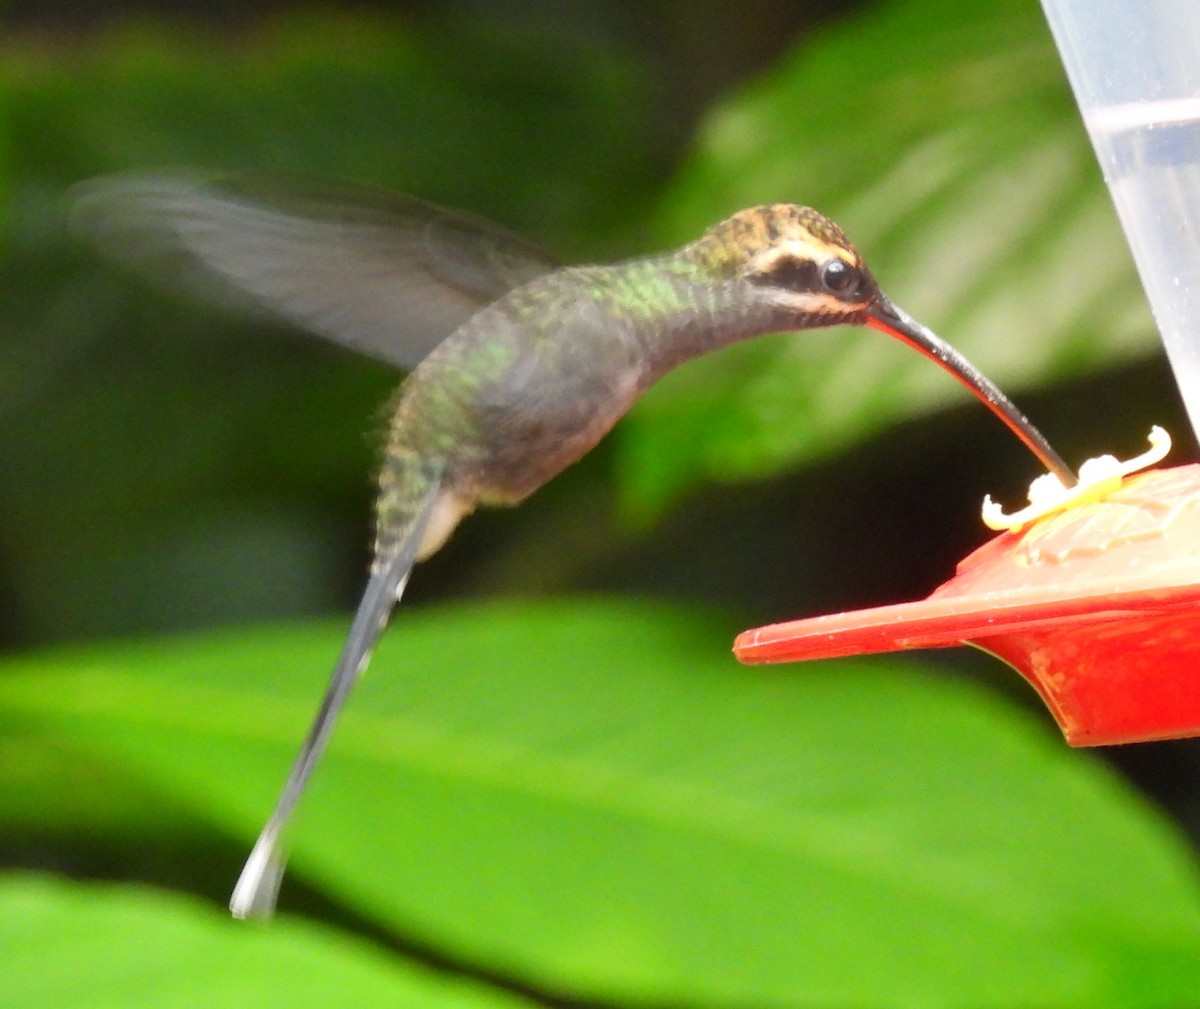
(257,888)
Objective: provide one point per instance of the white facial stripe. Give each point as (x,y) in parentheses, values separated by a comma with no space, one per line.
(802,249)
(811,302)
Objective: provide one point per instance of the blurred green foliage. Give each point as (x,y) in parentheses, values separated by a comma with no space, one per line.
(583,799)
(589,796)
(105,945)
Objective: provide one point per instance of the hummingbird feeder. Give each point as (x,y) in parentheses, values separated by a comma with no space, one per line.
(1096,604)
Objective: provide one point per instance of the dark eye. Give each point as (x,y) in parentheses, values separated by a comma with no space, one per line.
(840,278)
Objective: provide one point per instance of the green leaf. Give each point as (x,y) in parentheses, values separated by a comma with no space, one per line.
(942,135)
(595,798)
(101,946)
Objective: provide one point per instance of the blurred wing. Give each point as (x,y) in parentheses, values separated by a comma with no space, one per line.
(383,273)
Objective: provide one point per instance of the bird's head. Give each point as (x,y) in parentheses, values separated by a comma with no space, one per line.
(796,260)
(802,266)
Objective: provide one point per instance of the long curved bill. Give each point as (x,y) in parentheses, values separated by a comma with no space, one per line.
(889,318)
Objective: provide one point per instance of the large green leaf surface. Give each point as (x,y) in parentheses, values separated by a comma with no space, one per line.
(594,798)
(942,135)
(73,946)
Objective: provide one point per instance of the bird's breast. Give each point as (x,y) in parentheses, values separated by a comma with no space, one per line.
(515,397)
(551,419)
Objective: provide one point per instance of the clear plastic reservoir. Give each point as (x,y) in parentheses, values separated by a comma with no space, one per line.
(1135,69)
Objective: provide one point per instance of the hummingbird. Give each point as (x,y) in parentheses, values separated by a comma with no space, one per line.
(516,365)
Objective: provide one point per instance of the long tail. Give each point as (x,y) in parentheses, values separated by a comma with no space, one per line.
(257,888)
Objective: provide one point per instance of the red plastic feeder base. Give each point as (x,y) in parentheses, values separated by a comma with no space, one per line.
(1095,606)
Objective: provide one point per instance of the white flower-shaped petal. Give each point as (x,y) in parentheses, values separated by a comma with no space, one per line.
(1098,478)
